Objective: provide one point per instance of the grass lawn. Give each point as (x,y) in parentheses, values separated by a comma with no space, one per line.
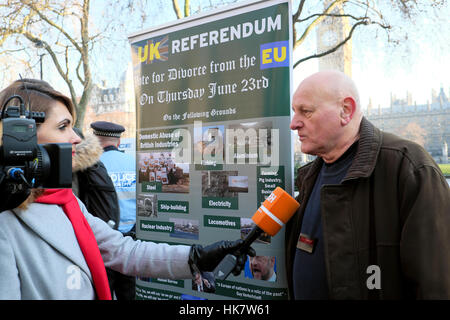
(445,169)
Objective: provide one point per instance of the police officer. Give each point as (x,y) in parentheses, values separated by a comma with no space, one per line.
(121,168)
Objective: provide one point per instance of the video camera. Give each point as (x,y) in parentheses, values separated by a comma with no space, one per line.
(25,164)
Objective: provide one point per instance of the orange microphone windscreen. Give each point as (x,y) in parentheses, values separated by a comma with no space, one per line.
(275,211)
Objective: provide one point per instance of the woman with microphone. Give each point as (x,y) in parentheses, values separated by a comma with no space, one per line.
(51,247)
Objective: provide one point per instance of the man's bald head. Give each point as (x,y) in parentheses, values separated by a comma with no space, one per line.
(334,84)
(327,114)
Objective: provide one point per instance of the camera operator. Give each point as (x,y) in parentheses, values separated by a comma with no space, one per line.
(51,247)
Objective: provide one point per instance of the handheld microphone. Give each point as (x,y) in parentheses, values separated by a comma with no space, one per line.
(270,217)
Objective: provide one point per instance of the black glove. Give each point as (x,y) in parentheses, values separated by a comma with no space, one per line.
(207,258)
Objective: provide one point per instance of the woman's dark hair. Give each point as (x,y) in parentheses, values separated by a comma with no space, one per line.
(37,94)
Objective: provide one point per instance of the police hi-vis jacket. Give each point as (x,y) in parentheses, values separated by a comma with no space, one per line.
(121,168)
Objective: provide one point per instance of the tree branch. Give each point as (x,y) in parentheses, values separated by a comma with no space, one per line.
(295,18)
(187,8)
(299,11)
(318,55)
(335,15)
(54,25)
(85,44)
(177,9)
(317,21)
(32,38)
(78,72)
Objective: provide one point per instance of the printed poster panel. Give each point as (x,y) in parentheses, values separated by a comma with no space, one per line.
(213,141)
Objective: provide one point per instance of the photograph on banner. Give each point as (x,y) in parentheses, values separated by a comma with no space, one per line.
(204,282)
(159,168)
(185,228)
(238,184)
(147,205)
(251,142)
(209,147)
(216,184)
(261,268)
(247,225)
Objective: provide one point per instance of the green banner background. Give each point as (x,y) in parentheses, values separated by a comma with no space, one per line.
(266,106)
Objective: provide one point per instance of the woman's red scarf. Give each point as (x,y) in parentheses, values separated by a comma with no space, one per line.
(85,237)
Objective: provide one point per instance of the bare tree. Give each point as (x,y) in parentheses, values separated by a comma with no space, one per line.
(64,30)
(199,6)
(309,14)
(177,9)
(414,132)
(357,13)
(61,29)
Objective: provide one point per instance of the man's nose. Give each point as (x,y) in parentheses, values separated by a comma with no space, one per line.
(295,123)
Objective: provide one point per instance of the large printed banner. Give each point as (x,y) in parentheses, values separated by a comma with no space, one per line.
(213,140)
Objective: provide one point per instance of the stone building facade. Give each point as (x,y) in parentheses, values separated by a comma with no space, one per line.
(115,104)
(427,124)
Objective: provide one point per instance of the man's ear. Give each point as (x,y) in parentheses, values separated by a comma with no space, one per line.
(348,110)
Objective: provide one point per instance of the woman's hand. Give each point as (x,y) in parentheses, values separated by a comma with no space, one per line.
(207,258)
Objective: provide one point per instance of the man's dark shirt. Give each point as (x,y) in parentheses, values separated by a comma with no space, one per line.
(310,281)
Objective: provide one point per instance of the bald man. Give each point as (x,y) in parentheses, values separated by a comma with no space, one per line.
(374,216)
